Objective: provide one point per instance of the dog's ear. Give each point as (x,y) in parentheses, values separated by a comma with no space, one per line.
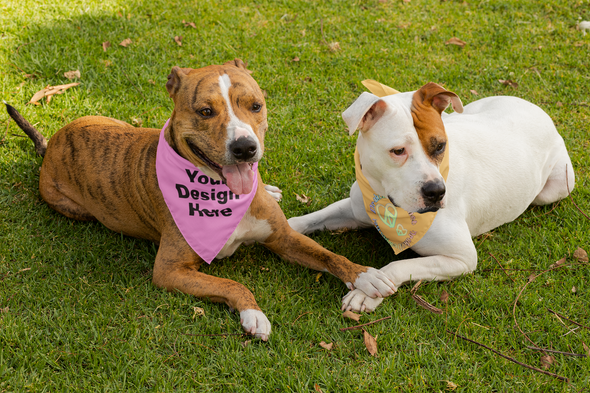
(364,112)
(439,97)
(238,63)
(175,79)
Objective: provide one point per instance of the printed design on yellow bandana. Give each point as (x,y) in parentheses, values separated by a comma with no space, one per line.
(398,227)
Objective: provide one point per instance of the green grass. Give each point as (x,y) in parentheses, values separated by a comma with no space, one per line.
(79,312)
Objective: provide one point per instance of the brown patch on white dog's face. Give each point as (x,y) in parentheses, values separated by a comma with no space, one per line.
(427,105)
(201,120)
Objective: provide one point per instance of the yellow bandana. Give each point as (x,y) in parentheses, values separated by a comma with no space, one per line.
(401,229)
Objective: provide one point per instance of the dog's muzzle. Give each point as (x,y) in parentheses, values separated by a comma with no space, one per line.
(433,192)
(243,148)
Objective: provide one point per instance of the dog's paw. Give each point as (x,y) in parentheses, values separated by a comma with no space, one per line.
(255,323)
(274,192)
(358,301)
(374,283)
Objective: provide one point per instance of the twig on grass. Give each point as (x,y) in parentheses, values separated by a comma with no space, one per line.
(581,355)
(364,324)
(505,272)
(511,359)
(424,304)
(567,319)
(296,319)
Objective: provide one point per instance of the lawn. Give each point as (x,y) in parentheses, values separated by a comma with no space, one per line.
(78,311)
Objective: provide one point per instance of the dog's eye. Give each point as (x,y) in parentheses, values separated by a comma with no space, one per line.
(440,147)
(256,108)
(206,112)
(398,152)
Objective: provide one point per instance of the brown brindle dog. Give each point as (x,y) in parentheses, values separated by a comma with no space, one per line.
(97,168)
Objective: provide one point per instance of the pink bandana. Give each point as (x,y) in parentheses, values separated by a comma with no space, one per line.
(205,210)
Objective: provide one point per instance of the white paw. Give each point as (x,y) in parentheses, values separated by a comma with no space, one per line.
(358,301)
(274,192)
(374,283)
(255,323)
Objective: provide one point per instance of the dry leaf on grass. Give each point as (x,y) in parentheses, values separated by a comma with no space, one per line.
(245,343)
(547,361)
(198,312)
(326,346)
(456,41)
(295,58)
(581,255)
(334,46)
(556,264)
(126,42)
(370,343)
(106,45)
(444,296)
(72,74)
(106,62)
(189,24)
(178,40)
(303,199)
(317,388)
(151,81)
(351,315)
(50,91)
(508,82)
(475,93)
(424,304)
(451,385)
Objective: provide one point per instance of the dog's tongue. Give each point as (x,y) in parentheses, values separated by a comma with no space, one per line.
(240,178)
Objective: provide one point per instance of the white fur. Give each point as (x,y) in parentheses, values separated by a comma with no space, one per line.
(248,231)
(255,323)
(235,127)
(505,154)
(274,192)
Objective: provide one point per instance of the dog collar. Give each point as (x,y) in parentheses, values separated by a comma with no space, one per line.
(398,227)
(204,209)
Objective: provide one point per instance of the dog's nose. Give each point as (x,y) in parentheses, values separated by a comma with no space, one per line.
(243,148)
(433,191)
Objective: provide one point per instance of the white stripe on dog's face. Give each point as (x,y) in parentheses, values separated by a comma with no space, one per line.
(236,128)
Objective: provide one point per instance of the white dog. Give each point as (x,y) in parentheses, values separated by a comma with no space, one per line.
(503,154)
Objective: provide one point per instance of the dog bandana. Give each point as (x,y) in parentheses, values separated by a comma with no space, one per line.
(398,227)
(204,209)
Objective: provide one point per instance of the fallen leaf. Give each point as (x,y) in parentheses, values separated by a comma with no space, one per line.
(198,312)
(456,41)
(559,104)
(444,296)
(72,74)
(351,315)
(151,81)
(303,199)
(556,264)
(451,385)
(49,91)
(532,277)
(475,93)
(106,62)
(370,343)
(126,42)
(508,82)
(302,33)
(317,277)
(424,304)
(574,290)
(547,361)
(178,40)
(334,46)
(5,309)
(326,346)
(245,343)
(581,255)
(106,45)
(136,122)
(25,269)
(317,388)
(189,24)
(295,58)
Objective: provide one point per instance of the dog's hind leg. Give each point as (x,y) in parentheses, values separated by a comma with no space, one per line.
(560,183)
(347,213)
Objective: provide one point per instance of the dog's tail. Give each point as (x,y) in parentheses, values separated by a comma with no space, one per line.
(37,138)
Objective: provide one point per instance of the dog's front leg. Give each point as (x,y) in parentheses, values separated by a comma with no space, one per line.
(346,213)
(449,253)
(176,268)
